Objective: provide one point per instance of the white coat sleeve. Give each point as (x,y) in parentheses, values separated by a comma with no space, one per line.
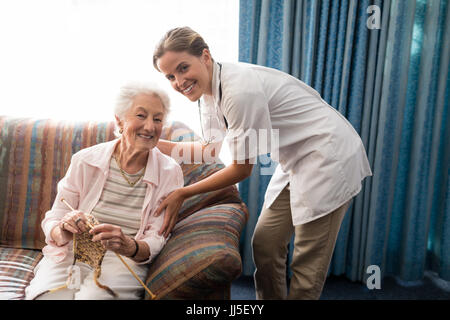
(249,125)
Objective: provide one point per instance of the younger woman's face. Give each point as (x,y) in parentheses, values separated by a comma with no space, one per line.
(188,74)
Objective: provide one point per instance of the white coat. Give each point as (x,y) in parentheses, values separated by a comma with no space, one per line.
(320,154)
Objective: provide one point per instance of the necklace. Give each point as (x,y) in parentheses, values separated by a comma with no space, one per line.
(123,173)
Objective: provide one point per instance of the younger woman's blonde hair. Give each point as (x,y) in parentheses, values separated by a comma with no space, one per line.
(178,40)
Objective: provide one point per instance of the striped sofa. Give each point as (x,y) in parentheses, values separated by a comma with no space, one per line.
(200,260)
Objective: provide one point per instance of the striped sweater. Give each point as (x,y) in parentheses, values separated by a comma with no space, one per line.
(121,204)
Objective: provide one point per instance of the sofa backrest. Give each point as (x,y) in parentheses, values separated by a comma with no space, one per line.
(34,156)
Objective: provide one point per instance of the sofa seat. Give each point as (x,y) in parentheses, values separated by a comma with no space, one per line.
(16,271)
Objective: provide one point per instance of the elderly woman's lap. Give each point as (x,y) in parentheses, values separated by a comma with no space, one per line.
(50,275)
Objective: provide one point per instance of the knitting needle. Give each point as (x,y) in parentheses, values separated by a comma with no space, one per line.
(152,296)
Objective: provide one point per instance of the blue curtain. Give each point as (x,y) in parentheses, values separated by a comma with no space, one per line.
(392,84)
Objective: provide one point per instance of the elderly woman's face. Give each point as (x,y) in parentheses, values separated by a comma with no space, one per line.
(143,123)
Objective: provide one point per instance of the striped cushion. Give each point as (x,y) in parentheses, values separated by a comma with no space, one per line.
(202,256)
(16,271)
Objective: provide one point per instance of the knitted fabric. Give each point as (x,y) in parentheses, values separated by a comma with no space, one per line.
(87,251)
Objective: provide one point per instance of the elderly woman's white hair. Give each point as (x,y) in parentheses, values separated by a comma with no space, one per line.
(131,90)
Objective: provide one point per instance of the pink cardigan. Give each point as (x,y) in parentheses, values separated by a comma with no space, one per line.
(83,184)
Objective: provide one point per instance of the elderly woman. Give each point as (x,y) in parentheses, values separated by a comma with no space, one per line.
(121,183)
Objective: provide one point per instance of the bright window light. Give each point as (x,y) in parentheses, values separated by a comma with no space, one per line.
(66,59)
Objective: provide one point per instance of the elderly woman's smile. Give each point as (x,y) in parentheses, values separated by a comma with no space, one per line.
(145,136)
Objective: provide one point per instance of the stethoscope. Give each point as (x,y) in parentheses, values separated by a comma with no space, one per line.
(211,139)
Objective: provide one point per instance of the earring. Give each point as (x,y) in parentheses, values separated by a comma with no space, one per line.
(121,131)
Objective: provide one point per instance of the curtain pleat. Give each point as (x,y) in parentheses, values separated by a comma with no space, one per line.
(392,84)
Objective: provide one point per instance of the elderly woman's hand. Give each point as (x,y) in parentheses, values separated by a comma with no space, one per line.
(113,239)
(73,222)
(172,204)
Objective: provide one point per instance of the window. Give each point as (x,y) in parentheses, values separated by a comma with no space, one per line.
(66,59)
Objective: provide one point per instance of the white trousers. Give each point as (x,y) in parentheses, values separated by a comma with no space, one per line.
(114,274)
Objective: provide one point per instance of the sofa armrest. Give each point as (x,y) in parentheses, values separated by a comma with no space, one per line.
(202,256)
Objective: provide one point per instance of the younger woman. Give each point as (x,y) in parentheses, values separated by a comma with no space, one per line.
(322,160)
